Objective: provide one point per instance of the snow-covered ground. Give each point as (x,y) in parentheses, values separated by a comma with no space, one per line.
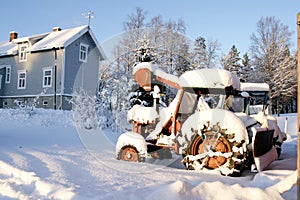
(44,156)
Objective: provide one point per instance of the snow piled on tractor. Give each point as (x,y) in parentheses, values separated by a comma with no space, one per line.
(209,78)
(142,114)
(134,140)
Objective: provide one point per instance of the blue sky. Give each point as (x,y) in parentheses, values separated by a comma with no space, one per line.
(230,22)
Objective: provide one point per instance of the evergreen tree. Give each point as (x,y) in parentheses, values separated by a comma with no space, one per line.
(200,55)
(183,60)
(144,52)
(246,72)
(231,61)
(205,53)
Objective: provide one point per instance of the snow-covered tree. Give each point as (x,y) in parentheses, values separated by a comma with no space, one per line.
(157,26)
(268,44)
(213,47)
(155,41)
(170,44)
(200,54)
(184,60)
(247,71)
(205,54)
(231,61)
(114,88)
(144,52)
(269,55)
(284,83)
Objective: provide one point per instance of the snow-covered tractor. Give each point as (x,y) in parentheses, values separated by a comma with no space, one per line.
(208,122)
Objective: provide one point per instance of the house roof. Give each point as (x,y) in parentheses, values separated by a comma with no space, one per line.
(59,39)
(8,48)
(46,41)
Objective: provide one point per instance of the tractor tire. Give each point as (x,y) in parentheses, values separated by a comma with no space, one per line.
(129,153)
(214,144)
(131,147)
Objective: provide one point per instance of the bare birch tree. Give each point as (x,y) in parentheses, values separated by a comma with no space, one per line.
(270,58)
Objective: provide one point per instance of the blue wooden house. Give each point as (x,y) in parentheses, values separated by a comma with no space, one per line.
(49,66)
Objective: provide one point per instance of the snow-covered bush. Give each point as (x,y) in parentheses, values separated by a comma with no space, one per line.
(84,106)
(120,117)
(104,113)
(27,107)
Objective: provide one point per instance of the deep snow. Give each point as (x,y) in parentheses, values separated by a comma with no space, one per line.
(44,156)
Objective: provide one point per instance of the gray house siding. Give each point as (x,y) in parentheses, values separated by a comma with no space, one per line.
(6,61)
(33,67)
(2,81)
(34,74)
(81,74)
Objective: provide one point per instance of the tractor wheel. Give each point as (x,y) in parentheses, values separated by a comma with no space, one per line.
(222,145)
(228,162)
(214,139)
(129,153)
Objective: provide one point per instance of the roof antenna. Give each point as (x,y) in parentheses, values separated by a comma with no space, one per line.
(89,15)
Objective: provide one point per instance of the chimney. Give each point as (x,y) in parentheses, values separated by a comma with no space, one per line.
(13,35)
(56,29)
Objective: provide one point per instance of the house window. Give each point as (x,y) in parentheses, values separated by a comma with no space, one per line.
(22,79)
(83,51)
(47,77)
(23,53)
(7,74)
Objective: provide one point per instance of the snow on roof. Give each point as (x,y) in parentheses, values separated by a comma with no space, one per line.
(156,71)
(209,78)
(31,38)
(45,41)
(255,87)
(59,39)
(8,48)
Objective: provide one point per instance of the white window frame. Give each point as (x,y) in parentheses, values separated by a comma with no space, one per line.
(7,74)
(47,77)
(83,53)
(21,81)
(23,52)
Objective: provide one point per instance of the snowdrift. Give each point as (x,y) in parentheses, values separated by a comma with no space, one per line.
(44,156)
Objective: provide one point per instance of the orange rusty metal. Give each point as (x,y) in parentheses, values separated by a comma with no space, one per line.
(143,77)
(168,82)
